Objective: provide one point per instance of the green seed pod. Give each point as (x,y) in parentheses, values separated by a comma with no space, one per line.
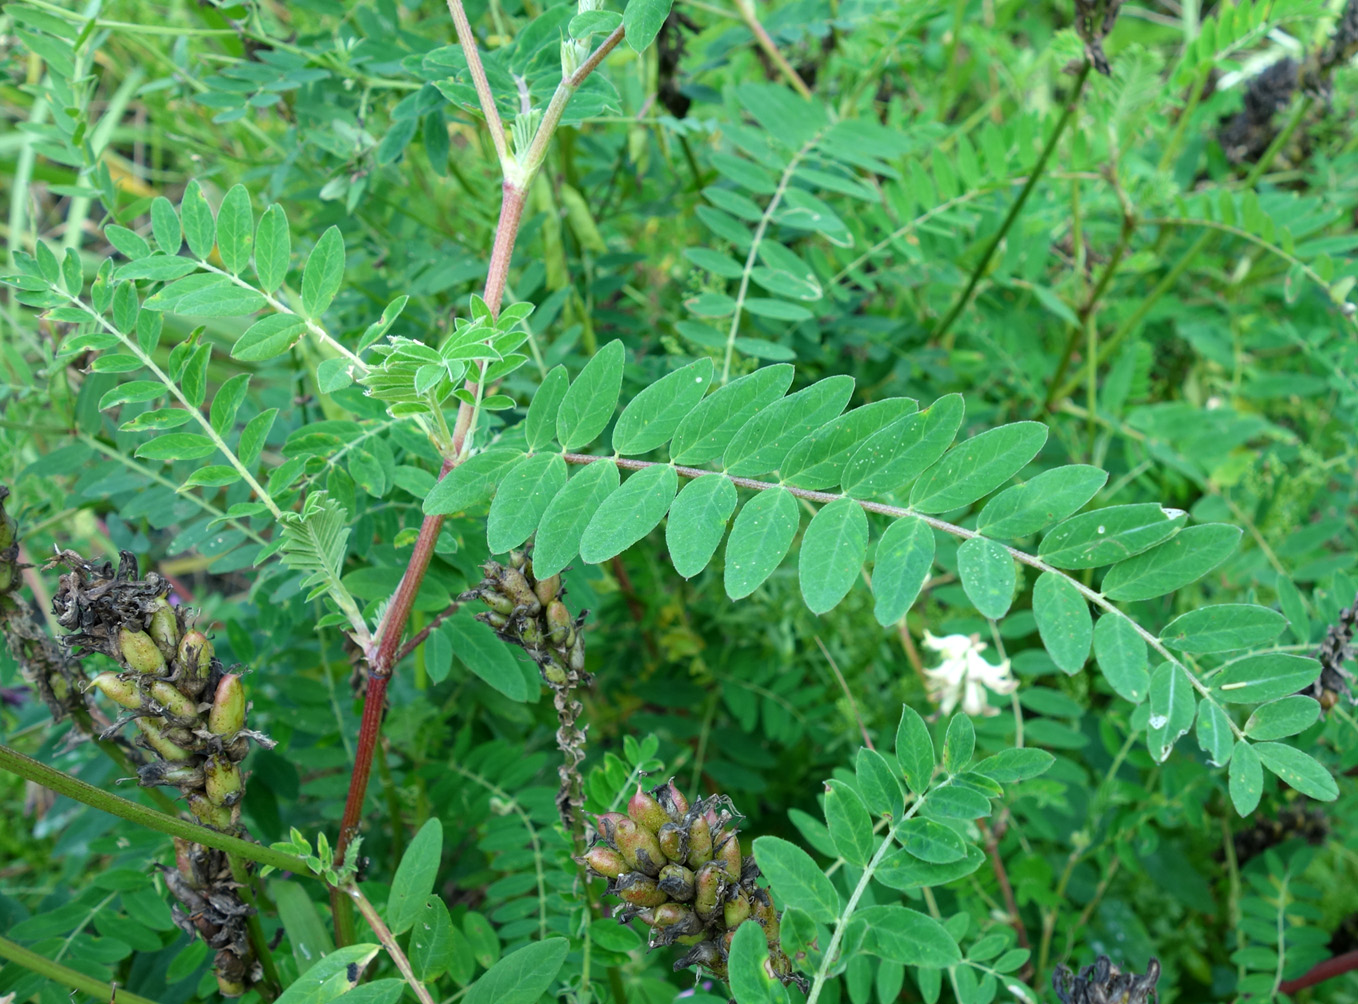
(699,842)
(736,910)
(554,674)
(560,627)
(704,953)
(677,881)
(494,619)
(222,781)
(672,799)
(183,776)
(763,912)
(604,860)
(673,838)
(516,587)
(647,811)
(194,656)
(548,589)
(607,824)
(228,987)
(119,689)
(9,575)
(176,706)
(530,633)
(153,732)
(164,628)
(728,853)
(638,846)
(498,604)
(674,921)
(709,884)
(227,716)
(779,964)
(577,654)
(209,814)
(639,889)
(137,651)
(9,530)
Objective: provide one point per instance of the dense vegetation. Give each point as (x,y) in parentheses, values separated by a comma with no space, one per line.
(827,501)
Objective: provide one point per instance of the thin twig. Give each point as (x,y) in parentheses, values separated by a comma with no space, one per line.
(467,40)
(853,705)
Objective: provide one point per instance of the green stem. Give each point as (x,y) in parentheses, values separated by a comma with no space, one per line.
(87,794)
(941,333)
(66,976)
(388,940)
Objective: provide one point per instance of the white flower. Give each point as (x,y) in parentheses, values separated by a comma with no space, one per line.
(964,676)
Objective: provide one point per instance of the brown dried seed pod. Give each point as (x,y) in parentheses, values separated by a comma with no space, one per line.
(677,881)
(227,716)
(164,628)
(516,587)
(138,652)
(605,861)
(639,847)
(639,889)
(646,811)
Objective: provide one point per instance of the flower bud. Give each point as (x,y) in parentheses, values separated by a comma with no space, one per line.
(119,689)
(647,811)
(673,839)
(227,716)
(164,628)
(639,890)
(548,589)
(638,846)
(605,861)
(174,705)
(194,654)
(137,651)
(709,886)
(677,882)
(736,910)
(153,733)
(222,781)
(699,842)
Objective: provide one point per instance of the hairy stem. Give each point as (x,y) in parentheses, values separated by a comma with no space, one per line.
(388,940)
(66,976)
(751,19)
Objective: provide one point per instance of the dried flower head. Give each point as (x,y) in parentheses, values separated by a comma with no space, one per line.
(963,676)
(1104,983)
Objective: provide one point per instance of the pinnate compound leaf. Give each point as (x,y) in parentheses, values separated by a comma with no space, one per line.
(765,440)
(705,433)
(1122,657)
(1184,558)
(521,977)
(1214,732)
(630,513)
(471,483)
(589,401)
(849,824)
(759,540)
(567,515)
(273,248)
(1034,505)
(524,494)
(649,420)
(901,564)
(1109,535)
(914,750)
(833,548)
(1063,621)
(698,518)
(1267,677)
(893,457)
(796,879)
(988,576)
(540,424)
(818,461)
(235,229)
(1223,628)
(200,226)
(1246,779)
(1172,709)
(1282,718)
(977,467)
(323,273)
(1298,770)
(415,875)
(908,937)
(641,21)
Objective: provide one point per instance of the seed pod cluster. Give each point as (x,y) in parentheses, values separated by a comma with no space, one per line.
(190,715)
(1335,683)
(677,867)
(1105,983)
(530,613)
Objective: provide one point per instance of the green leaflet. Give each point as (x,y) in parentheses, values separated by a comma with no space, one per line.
(698,518)
(1172,709)
(850,826)
(706,431)
(164,227)
(471,483)
(896,455)
(650,419)
(1223,628)
(798,879)
(200,227)
(1105,536)
(1298,770)
(1267,677)
(540,424)
(1214,732)
(588,403)
(641,20)
(1281,718)
(1245,781)
(269,337)
(901,564)
(914,750)
(630,513)
(273,249)
(1184,558)
(323,273)
(988,576)
(523,497)
(522,976)
(564,521)
(818,461)
(414,878)
(764,441)
(832,552)
(235,229)
(959,743)
(931,841)
(1034,505)
(490,659)
(1063,621)
(759,540)
(977,467)
(1121,654)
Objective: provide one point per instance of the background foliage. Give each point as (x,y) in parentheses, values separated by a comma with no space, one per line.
(248,198)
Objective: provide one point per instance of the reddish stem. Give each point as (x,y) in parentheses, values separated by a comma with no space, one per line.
(1321,972)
